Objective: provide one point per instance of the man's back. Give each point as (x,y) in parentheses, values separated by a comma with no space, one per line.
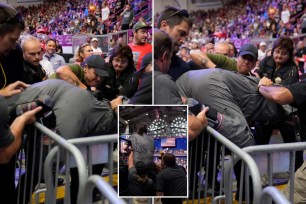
(172,181)
(143,147)
(77,112)
(233,95)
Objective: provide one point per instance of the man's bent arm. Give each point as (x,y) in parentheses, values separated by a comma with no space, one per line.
(276,94)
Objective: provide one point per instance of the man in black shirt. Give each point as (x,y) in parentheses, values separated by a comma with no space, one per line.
(172,180)
(33,71)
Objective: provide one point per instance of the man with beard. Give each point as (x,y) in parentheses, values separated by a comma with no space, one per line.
(33,71)
(139,46)
(177,24)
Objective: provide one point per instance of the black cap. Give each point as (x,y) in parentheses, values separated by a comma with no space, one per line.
(98,63)
(6,12)
(249,49)
(146,60)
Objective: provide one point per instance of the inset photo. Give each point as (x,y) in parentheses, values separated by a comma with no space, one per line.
(153,155)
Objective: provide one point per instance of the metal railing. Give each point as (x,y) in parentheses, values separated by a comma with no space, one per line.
(269,150)
(273,193)
(48,166)
(61,156)
(212,153)
(103,187)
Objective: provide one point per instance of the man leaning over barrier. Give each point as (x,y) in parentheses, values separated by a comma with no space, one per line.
(235,98)
(78,113)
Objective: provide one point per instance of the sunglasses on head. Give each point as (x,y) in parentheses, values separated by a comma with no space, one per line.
(84,45)
(14,20)
(182,12)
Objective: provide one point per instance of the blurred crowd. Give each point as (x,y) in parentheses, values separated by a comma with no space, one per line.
(80,17)
(248,19)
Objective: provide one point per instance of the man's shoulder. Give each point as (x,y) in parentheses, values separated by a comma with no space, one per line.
(161,76)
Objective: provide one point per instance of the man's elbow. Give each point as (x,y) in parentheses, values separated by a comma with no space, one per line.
(283,97)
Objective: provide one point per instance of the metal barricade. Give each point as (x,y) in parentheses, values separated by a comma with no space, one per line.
(273,193)
(204,156)
(104,188)
(31,183)
(269,150)
(97,151)
(64,155)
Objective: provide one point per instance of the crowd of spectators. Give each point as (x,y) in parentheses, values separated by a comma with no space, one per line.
(77,16)
(248,19)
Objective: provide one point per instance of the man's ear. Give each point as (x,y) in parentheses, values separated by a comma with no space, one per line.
(164,56)
(164,25)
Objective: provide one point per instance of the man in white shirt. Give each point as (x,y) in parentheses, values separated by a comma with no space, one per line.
(50,55)
(105,11)
(285,15)
(95,48)
(262,50)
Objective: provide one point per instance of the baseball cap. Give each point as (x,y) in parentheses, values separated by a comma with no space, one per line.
(262,44)
(98,63)
(249,49)
(146,60)
(140,25)
(94,39)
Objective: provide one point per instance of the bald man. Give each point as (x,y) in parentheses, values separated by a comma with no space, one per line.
(33,71)
(222,48)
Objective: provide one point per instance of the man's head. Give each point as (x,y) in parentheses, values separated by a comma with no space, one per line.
(176,23)
(142,128)
(163,50)
(11,25)
(95,70)
(140,32)
(168,160)
(31,48)
(263,46)
(94,42)
(50,46)
(222,48)
(247,58)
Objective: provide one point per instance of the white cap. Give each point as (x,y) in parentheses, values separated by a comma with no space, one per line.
(262,44)
(94,39)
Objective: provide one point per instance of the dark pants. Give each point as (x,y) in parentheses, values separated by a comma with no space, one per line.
(7,182)
(74,186)
(263,134)
(197,149)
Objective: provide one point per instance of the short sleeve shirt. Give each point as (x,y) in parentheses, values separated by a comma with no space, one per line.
(298,91)
(6,136)
(172,181)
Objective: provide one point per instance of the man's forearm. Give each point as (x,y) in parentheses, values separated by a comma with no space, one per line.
(276,94)
(6,153)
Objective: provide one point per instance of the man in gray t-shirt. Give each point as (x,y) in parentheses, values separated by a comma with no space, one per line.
(78,113)
(233,95)
(143,145)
